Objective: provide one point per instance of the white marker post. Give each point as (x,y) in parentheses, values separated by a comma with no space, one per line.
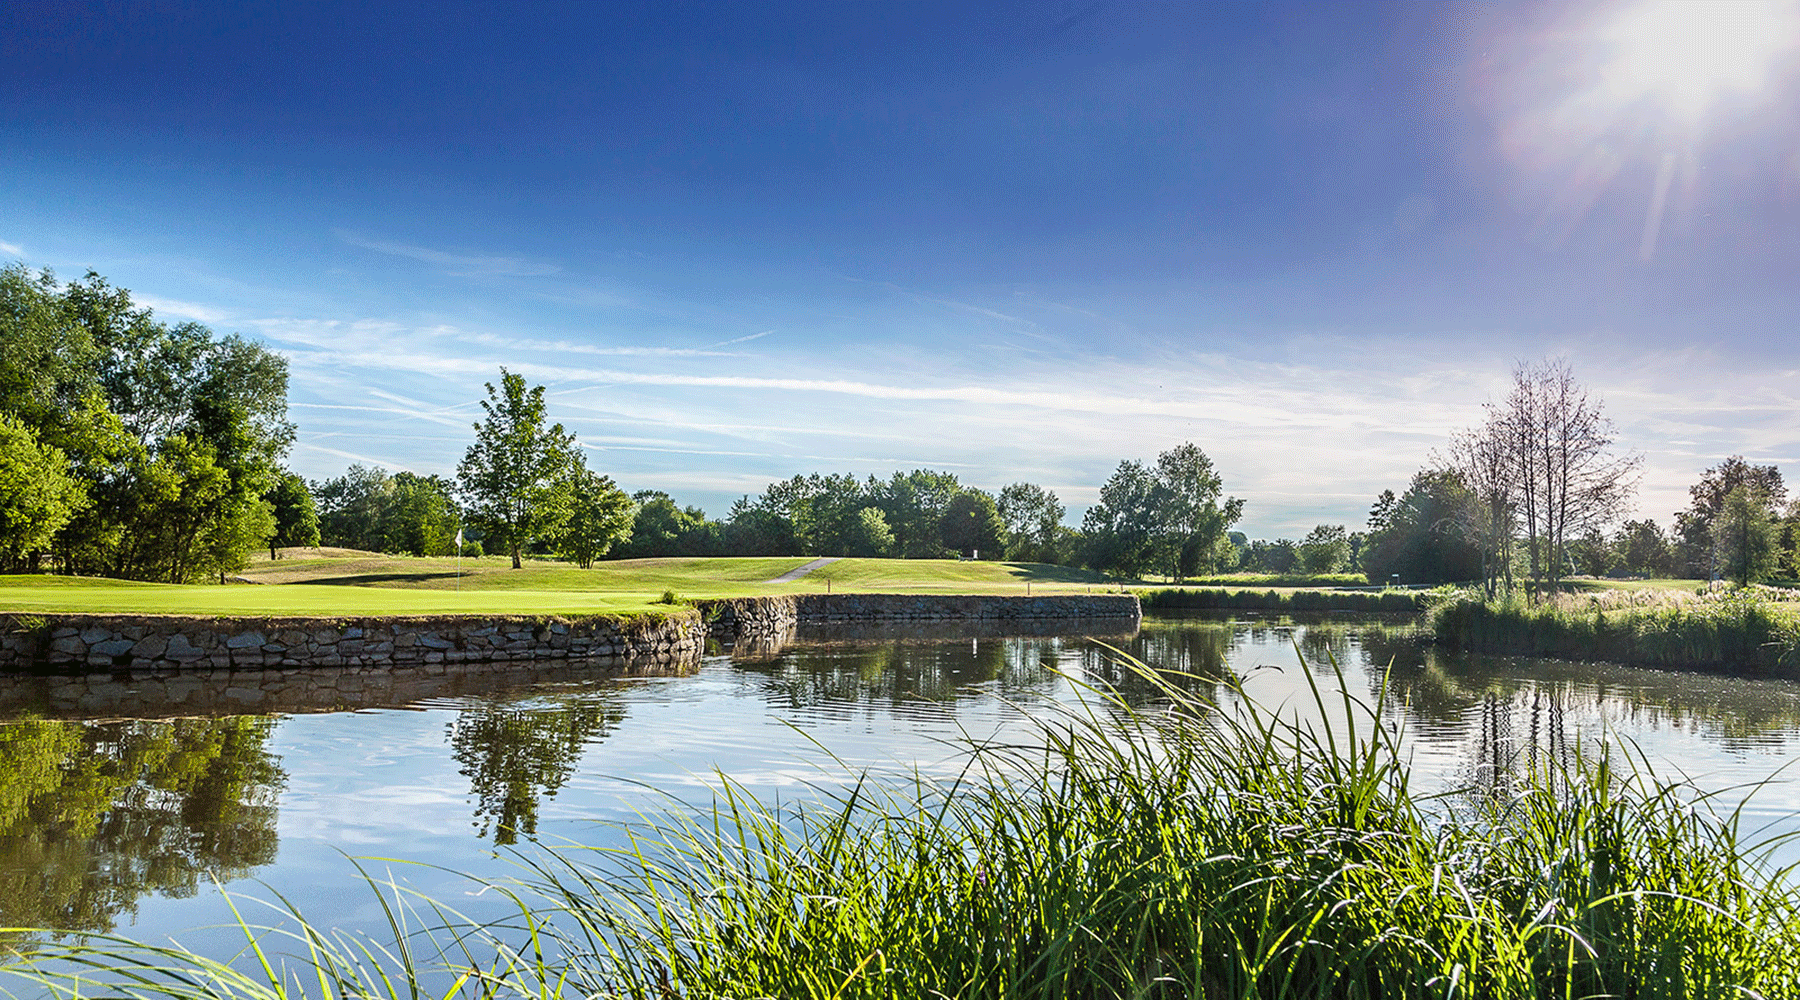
(459,560)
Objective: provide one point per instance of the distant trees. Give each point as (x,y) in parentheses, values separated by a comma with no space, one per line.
(405,513)
(1705,543)
(1167,519)
(1325,549)
(971,524)
(1032,519)
(1418,536)
(919,514)
(659,527)
(295,514)
(171,436)
(516,478)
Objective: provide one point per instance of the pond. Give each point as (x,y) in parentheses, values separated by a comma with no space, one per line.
(125,801)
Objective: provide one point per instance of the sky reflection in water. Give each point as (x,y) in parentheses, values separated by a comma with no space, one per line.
(119,805)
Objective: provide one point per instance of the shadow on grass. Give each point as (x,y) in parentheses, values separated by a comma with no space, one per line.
(375,579)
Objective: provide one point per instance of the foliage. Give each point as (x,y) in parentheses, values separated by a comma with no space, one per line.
(661,528)
(1032,516)
(515,477)
(1746,536)
(1738,630)
(38,496)
(1325,549)
(972,525)
(1168,518)
(1643,549)
(1416,537)
(365,508)
(1696,529)
(1247,599)
(600,515)
(516,754)
(296,516)
(173,434)
(1210,848)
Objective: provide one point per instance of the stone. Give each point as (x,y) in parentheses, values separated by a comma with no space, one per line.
(246,640)
(112,647)
(93,635)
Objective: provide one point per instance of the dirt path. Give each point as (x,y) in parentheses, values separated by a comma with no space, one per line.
(800,571)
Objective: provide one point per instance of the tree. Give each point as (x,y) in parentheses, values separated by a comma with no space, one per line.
(1325,549)
(37,494)
(515,477)
(913,504)
(1567,479)
(1031,516)
(1747,536)
(870,536)
(1168,518)
(1417,536)
(1642,549)
(600,515)
(353,508)
(1696,529)
(296,516)
(972,523)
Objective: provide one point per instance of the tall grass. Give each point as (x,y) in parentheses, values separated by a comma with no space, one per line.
(1276,600)
(1195,851)
(1742,629)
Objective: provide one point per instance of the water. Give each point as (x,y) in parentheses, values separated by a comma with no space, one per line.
(126,802)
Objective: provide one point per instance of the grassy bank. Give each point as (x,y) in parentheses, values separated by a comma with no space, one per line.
(1187,853)
(352,583)
(1742,630)
(1172,599)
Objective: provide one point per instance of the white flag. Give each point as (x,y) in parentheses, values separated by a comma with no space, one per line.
(459,538)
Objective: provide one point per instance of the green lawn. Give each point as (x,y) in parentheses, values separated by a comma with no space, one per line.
(352,583)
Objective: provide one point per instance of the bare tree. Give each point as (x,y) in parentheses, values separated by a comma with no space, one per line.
(1482,458)
(1566,477)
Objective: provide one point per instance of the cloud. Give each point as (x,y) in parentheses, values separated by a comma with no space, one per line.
(11,249)
(461,265)
(185,310)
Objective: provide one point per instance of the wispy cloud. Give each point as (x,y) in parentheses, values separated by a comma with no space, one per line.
(742,340)
(11,249)
(459,264)
(185,310)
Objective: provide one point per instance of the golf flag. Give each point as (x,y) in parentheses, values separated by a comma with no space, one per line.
(459,538)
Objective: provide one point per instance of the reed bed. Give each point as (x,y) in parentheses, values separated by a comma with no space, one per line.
(1277,600)
(1198,850)
(1749,629)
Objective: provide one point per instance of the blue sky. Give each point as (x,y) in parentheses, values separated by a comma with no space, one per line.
(1013,241)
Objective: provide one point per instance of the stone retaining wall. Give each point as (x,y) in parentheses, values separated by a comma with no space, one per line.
(163,642)
(769,619)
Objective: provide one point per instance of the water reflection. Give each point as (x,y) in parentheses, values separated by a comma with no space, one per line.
(516,752)
(95,815)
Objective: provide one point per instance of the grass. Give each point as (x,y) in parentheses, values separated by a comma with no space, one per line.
(345,582)
(1751,629)
(1290,600)
(1194,851)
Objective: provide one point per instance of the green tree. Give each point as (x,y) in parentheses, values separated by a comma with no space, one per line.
(662,527)
(1418,535)
(1697,532)
(1167,518)
(420,517)
(37,494)
(515,477)
(1031,515)
(1643,549)
(600,516)
(1747,535)
(296,517)
(1325,549)
(971,524)
(913,504)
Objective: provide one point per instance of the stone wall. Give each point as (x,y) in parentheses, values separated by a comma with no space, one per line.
(164,642)
(764,620)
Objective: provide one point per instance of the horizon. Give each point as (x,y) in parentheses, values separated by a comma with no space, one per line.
(1018,242)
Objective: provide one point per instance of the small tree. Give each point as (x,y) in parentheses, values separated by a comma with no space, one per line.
(972,523)
(1747,536)
(37,494)
(600,514)
(296,518)
(1325,549)
(515,477)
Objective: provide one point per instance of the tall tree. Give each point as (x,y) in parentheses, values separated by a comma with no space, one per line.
(600,515)
(1416,536)
(1169,518)
(972,524)
(1748,538)
(1325,549)
(37,494)
(1567,477)
(515,477)
(1031,515)
(1696,528)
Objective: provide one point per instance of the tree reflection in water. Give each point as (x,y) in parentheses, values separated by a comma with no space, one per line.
(516,752)
(93,815)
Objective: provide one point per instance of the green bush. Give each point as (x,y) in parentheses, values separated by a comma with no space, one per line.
(1401,601)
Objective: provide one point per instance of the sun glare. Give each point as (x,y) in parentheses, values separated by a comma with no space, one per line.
(1686,52)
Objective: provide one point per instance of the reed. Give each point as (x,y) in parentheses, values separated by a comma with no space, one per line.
(1200,850)
(1744,630)
(1399,601)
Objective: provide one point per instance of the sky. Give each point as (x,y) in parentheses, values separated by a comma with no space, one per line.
(1013,241)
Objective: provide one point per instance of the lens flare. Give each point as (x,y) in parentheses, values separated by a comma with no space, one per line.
(1685,53)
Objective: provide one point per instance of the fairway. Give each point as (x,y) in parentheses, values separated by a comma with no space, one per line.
(342,582)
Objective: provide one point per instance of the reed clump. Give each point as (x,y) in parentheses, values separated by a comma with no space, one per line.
(1200,850)
(1399,601)
(1745,629)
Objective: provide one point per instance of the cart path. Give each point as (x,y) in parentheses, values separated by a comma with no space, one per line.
(798,572)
